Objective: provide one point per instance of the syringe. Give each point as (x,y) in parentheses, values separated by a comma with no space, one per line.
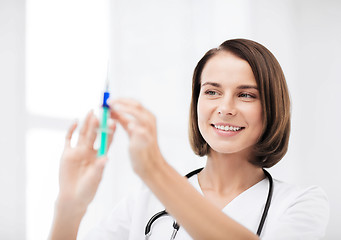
(104,121)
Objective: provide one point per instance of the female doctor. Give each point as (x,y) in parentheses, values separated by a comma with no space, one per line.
(239,120)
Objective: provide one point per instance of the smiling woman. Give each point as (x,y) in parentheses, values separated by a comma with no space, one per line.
(259,80)
(240,130)
(234,112)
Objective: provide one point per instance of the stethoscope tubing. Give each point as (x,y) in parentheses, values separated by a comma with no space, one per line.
(176,226)
(267,204)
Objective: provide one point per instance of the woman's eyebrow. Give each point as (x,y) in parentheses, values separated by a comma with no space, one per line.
(214,84)
(247,87)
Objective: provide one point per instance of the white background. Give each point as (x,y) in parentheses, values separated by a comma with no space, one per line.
(53,57)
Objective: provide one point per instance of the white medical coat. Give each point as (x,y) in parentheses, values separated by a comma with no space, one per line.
(294,214)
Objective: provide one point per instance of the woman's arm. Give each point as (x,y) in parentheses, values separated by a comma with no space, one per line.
(200,218)
(80,174)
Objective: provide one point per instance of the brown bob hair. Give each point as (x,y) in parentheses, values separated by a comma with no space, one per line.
(273,142)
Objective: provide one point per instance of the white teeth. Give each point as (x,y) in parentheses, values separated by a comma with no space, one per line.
(227,128)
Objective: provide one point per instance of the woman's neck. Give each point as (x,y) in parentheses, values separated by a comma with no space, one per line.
(229,173)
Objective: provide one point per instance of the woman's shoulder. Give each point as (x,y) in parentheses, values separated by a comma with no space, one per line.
(288,196)
(297,212)
(289,193)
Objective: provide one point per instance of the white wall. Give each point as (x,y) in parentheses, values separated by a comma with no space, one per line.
(306,36)
(12,120)
(318,108)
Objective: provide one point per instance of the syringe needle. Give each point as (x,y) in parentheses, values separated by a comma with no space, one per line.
(105,115)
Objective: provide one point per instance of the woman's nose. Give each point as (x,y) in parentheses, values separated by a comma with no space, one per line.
(227,107)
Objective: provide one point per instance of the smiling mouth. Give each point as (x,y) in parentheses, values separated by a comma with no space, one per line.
(227,128)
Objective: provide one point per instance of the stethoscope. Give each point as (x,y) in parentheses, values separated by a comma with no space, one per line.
(176,226)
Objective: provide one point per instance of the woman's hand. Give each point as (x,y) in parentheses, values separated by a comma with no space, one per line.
(80,168)
(140,124)
(80,174)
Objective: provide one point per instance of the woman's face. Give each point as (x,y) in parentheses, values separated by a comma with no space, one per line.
(229,107)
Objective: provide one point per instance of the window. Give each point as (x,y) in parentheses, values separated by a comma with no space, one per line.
(67,52)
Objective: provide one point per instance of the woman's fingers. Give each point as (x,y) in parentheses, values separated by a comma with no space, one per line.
(130,107)
(69,134)
(111,128)
(85,127)
(130,114)
(91,134)
(124,119)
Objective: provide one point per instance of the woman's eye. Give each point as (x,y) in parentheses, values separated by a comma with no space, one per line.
(246,95)
(211,93)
